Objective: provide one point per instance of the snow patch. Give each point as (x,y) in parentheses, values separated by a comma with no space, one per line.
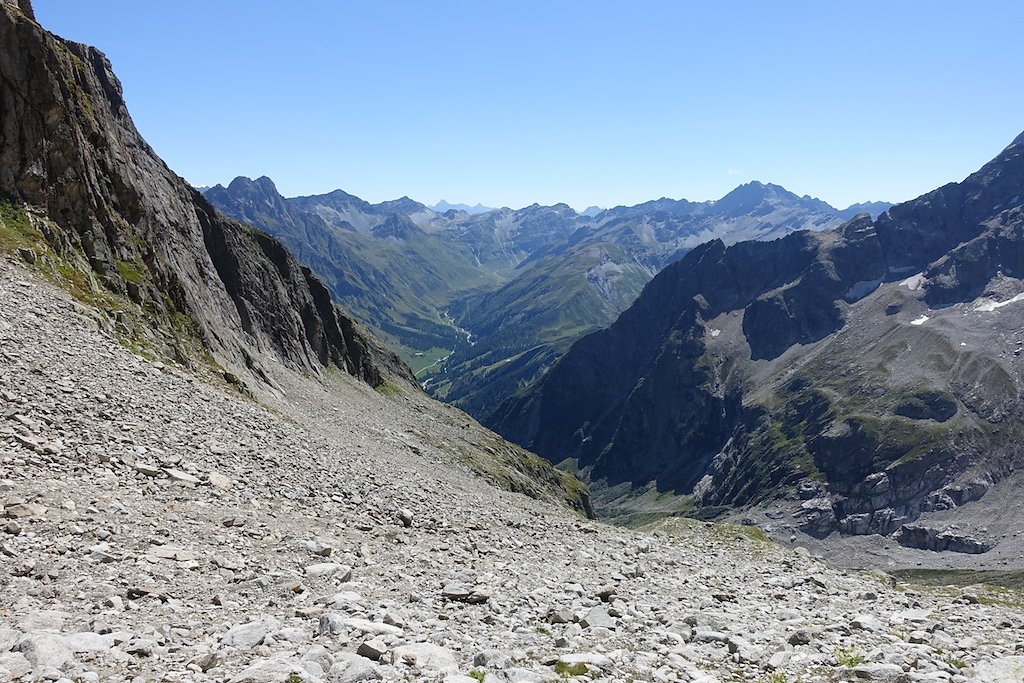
(861,289)
(715,333)
(988,305)
(919,321)
(914,282)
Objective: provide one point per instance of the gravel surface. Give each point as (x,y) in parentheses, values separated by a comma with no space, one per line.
(156,529)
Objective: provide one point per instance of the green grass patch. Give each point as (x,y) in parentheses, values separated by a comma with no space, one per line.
(389,389)
(424,363)
(752,532)
(563,669)
(849,657)
(131,272)
(1013,580)
(16,230)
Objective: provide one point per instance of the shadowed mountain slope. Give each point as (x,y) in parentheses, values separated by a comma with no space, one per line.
(876,368)
(94,204)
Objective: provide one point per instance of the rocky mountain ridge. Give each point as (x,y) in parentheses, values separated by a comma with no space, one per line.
(444,207)
(564,292)
(90,205)
(88,200)
(481,303)
(872,370)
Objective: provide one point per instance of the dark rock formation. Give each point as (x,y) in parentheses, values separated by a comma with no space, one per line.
(742,371)
(127,230)
(930,538)
(25,6)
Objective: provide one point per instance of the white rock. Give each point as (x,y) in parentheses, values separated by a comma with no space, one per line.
(588,658)
(351,668)
(8,639)
(250,634)
(331,624)
(181,476)
(886,673)
(598,617)
(866,622)
(425,656)
(45,650)
(1005,670)
(325,569)
(43,620)
(15,664)
(89,642)
(219,481)
(372,627)
(272,671)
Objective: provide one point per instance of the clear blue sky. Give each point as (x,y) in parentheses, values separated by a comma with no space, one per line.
(581,101)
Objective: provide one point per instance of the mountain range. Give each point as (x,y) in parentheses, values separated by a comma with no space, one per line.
(481,303)
(869,375)
(210,472)
(443,207)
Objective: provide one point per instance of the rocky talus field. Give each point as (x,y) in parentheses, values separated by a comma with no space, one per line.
(155,528)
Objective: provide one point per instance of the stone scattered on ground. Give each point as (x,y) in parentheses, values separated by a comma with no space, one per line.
(154,527)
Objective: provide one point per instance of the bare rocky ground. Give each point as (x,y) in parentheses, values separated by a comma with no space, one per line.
(994,517)
(157,529)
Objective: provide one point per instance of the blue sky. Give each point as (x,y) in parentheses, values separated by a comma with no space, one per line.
(586,102)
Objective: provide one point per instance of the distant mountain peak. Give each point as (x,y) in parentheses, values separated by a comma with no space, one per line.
(444,206)
(403,205)
(874,209)
(263,183)
(749,195)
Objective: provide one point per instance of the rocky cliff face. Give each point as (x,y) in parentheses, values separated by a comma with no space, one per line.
(107,217)
(24,6)
(875,370)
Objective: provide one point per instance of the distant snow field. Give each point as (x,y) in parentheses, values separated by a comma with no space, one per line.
(988,305)
(914,282)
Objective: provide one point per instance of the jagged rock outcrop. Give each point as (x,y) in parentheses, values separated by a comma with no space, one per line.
(881,360)
(937,540)
(25,6)
(128,233)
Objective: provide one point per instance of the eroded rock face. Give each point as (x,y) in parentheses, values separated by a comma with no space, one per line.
(25,6)
(132,229)
(880,359)
(931,538)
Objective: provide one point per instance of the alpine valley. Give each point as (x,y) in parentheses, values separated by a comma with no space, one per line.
(481,303)
(211,471)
